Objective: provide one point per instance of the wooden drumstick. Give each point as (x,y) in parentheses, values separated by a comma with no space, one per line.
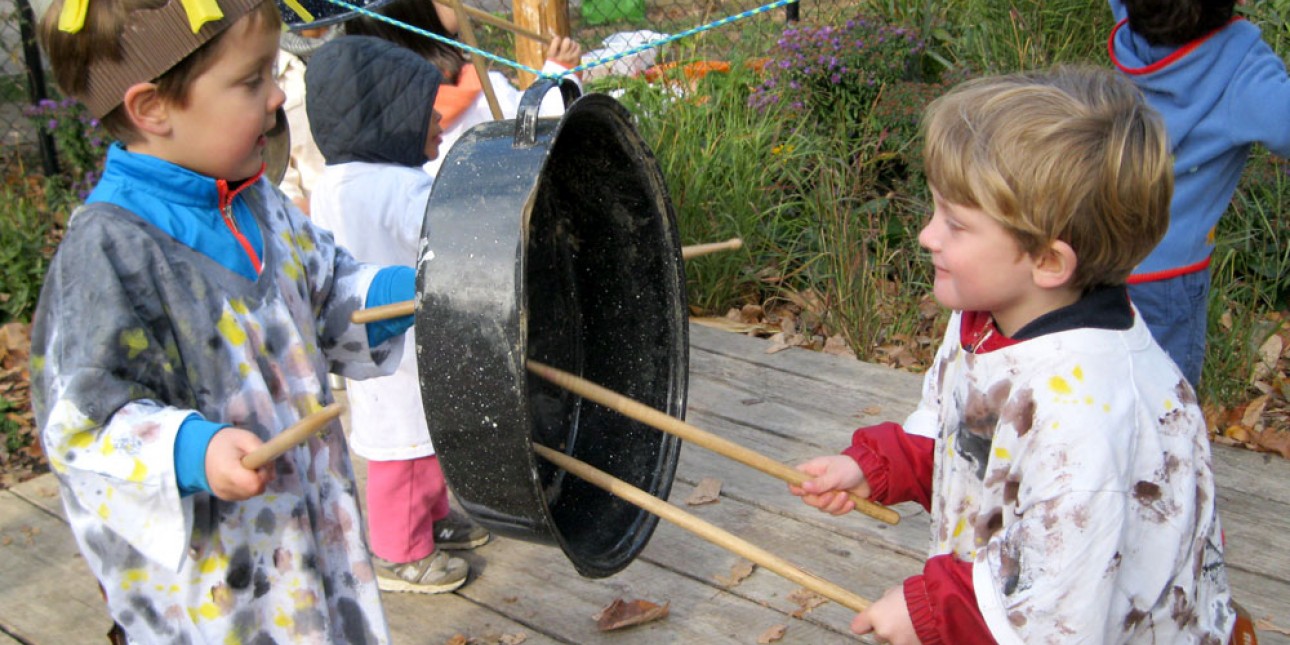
(696,250)
(293,435)
(408,307)
(649,416)
(384,312)
(709,532)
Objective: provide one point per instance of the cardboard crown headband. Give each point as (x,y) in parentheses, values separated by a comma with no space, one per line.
(152,42)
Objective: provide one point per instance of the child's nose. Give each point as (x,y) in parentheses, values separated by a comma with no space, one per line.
(276,98)
(925,237)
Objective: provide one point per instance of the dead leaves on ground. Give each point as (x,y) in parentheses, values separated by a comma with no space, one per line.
(15,409)
(620,614)
(738,574)
(773,634)
(708,491)
(1263,423)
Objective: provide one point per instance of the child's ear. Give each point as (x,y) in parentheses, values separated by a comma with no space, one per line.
(1055,267)
(146,109)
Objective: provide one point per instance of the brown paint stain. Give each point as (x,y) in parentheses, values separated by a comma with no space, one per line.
(1020,412)
(1010,490)
(993,524)
(1186,395)
(1134,618)
(1146,493)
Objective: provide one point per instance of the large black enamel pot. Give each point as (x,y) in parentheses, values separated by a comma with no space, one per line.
(552,239)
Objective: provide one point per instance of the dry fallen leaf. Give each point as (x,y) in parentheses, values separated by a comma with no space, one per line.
(706,492)
(1254,412)
(458,639)
(1274,440)
(772,635)
(621,614)
(837,346)
(872,410)
(806,600)
(513,639)
(1265,625)
(738,574)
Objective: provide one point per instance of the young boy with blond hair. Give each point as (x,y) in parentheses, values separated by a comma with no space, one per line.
(190,314)
(1061,453)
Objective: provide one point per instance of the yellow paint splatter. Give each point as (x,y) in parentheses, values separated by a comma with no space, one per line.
(960,527)
(1169,404)
(1078,373)
(1002,453)
(1088,400)
(130,577)
(1106,407)
(244,369)
(292,269)
(281,619)
(134,341)
(80,440)
(305,243)
(238,306)
(230,330)
(103,511)
(140,471)
(213,563)
(207,610)
(38,363)
(1059,385)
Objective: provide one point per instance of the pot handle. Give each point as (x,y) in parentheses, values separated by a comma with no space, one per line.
(527,115)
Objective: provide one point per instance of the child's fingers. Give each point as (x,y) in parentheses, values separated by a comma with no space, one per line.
(862,623)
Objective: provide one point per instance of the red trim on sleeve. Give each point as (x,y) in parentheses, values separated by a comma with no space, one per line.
(897,465)
(942,604)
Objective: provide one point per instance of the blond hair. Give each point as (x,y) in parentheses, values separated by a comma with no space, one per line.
(75,57)
(1071,154)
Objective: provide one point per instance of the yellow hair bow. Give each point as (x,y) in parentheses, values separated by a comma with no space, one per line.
(72,17)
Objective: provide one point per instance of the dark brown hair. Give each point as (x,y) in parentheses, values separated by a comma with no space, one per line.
(422,15)
(1177,22)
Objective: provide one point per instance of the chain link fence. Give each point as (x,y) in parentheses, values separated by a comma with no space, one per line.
(24,78)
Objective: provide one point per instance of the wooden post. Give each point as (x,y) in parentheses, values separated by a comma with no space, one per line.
(543,17)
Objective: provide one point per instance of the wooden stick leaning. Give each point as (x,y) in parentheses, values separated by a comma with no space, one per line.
(481,68)
(292,436)
(490,19)
(709,532)
(409,307)
(649,416)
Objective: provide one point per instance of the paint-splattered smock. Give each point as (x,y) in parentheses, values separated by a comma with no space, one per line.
(1073,471)
(134,332)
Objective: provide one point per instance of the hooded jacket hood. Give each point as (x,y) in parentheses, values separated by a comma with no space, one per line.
(370,100)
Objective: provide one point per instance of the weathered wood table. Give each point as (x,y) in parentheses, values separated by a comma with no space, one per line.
(789,405)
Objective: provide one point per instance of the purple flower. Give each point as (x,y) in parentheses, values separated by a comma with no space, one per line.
(52,125)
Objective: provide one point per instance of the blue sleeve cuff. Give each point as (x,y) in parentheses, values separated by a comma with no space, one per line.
(391,284)
(190,453)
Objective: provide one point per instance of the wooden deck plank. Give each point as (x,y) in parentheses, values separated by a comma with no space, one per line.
(789,405)
(47,593)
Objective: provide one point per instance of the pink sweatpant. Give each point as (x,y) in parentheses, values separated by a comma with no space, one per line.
(404,499)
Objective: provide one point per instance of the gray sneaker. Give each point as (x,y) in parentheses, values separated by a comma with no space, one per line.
(435,573)
(457,532)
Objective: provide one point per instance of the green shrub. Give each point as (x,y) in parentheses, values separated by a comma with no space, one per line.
(27,241)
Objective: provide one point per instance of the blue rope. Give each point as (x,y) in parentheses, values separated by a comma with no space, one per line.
(595,63)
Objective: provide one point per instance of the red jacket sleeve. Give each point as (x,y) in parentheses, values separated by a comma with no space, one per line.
(897,465)
(942,604)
